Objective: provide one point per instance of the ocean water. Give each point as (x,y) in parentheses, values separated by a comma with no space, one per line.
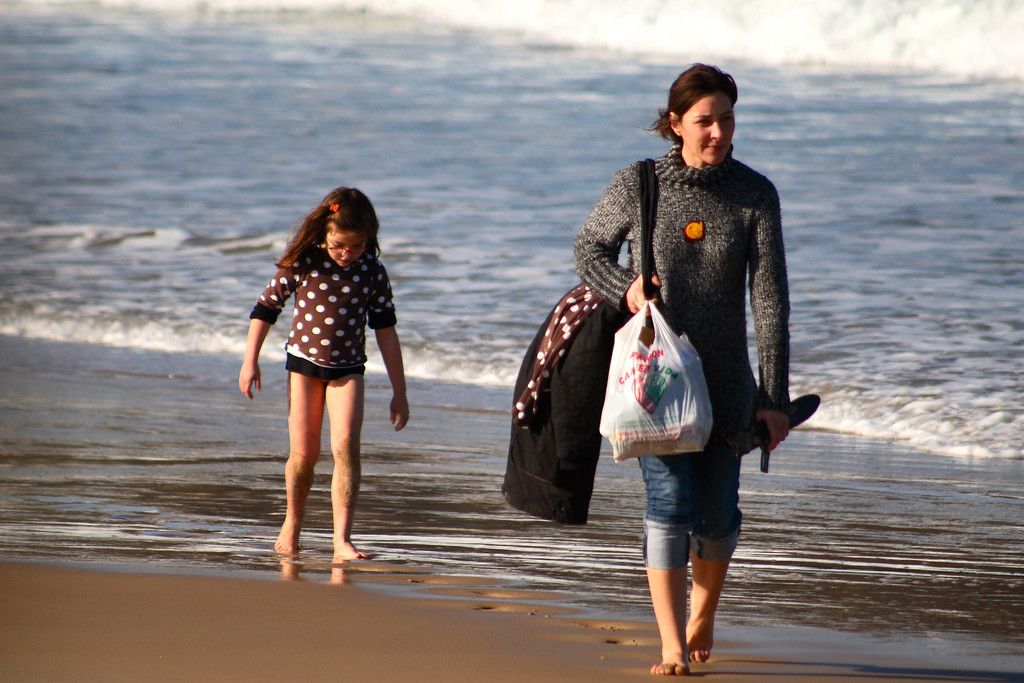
(143,460)
(154,156)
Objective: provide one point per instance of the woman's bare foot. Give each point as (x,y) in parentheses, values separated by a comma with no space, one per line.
(673,663)
(288,539)
(670,669)
(700,636)
(344,552)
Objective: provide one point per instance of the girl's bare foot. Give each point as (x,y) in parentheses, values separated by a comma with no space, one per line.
(346,551)
(670,669)
(288,539)
(700,636)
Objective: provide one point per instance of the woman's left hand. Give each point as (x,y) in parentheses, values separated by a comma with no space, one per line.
(778,426)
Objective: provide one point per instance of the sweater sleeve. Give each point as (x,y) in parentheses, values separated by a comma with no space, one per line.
(599,242)
(381,312)
(275,294)
(769,303)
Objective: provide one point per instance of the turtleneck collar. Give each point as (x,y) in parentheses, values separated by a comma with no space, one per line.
(674,170)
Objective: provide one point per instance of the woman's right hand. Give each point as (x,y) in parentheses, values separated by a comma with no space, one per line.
(249,379)
(635,294)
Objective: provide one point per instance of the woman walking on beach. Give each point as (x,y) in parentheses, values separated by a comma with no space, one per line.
(340,286)
(718,231)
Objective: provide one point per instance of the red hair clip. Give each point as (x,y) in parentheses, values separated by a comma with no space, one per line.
(335,207)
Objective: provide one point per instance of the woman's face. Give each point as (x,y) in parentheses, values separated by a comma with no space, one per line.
(706,129)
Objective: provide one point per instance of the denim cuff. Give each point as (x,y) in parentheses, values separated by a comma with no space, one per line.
(715,549)
(666,546)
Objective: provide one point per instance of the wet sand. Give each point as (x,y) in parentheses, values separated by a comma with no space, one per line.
(139,497)
(80,625)
(60,623)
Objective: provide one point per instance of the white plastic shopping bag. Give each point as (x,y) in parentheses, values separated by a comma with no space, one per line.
(656,402)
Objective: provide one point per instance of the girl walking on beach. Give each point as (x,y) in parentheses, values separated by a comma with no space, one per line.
(331,266)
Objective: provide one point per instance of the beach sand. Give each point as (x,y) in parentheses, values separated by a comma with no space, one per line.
(81,625)
(74,624)
(139,494)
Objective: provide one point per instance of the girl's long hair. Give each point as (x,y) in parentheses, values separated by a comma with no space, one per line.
(344,209)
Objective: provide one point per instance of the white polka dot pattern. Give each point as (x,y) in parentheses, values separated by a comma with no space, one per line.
(329,319)
(566,318)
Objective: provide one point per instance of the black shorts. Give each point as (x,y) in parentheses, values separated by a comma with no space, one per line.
(309,369)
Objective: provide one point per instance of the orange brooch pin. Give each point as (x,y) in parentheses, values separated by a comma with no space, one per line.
(694,231)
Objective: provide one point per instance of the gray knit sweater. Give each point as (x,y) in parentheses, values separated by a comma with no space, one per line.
(704,280)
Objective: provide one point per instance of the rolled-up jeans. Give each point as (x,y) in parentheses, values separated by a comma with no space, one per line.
(692,506)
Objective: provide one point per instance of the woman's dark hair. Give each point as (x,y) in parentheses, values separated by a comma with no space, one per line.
(344,209)
(698,81)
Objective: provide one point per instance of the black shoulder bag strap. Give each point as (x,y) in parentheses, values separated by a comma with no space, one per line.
(648,217)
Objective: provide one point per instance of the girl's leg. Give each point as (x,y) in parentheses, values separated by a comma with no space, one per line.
(305,418)
(345,407)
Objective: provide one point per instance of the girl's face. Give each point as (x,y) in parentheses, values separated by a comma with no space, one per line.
(344,247)
(706,129)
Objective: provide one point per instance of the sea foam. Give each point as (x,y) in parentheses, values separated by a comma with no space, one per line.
(965,38)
